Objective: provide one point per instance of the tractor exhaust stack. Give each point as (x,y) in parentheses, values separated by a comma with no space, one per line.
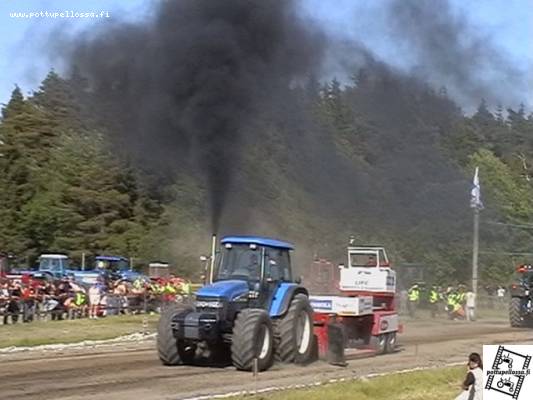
(212,261)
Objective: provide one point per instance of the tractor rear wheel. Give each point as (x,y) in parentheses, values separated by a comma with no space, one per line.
(294,334)
(515,312)
(171,350)
(252,339)
(390,346)
(379,343)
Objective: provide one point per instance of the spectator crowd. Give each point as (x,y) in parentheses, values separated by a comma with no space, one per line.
(27,299)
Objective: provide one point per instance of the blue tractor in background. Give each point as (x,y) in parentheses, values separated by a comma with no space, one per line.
(250,309)
(117,267)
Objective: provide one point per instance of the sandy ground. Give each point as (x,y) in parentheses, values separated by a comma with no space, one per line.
(133,371)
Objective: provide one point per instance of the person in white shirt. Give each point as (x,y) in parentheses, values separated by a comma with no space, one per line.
(470,298)
(501,295)
(473,383)
(95,296)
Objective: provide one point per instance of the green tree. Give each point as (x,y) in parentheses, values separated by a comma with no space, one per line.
(27,133)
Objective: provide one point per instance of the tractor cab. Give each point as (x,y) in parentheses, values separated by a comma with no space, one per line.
(524,274)
(255,262)
(116,267)
(112,263)
(249,269)
(54,264)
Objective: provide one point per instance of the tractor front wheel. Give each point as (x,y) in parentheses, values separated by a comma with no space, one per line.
(295,332)
(171,350)
(252,339)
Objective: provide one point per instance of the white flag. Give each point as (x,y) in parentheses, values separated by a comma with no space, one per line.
(475,193)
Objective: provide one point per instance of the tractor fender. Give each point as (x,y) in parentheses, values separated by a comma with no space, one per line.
(283,297)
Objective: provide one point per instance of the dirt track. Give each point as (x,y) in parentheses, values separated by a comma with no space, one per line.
(115,374)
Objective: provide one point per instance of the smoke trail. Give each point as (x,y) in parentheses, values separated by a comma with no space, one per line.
(184,83)
(447,51)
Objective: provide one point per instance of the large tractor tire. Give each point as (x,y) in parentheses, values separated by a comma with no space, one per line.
(378,343)
(172,351)
(390,346)
(515,313)
(294,333)
(252,339)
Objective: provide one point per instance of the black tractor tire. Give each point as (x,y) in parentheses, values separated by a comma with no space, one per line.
(294,332)
(515,314)
(391,341)
(171,351)
(252,339)
(379,343)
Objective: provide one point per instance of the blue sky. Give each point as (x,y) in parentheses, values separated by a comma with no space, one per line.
(506,23)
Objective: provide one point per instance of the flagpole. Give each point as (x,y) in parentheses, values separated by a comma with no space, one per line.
(475,250)
(477,205)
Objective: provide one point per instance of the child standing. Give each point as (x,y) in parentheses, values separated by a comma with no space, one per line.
(473,383)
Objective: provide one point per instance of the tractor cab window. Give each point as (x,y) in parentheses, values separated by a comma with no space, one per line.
(527,277)
(52,264)
(277,265)
(112,265)
(240,261)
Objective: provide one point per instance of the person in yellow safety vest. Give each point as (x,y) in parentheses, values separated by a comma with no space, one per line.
(138,284)
(76,304)
(413,295)
(169,292)
(450,303)
(433,301)
(186,288)
(458,312)
(461,295)
(169,289)
(156,288)
(79,299)
(460,301)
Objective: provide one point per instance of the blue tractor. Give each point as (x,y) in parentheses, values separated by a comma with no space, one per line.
(117,267)
(250,309)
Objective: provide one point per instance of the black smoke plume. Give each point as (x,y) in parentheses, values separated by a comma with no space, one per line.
(181,85)
(448,51)
(193,86)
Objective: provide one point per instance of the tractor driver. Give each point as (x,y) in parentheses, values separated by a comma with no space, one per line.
(254,269)
(249,268)
(371,261)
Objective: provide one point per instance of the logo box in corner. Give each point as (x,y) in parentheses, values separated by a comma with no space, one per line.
(507,372)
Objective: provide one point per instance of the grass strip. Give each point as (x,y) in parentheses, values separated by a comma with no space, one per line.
(71,331)
(432,384)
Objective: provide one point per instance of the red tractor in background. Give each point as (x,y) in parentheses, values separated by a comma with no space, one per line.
(521,306)
(354,304)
